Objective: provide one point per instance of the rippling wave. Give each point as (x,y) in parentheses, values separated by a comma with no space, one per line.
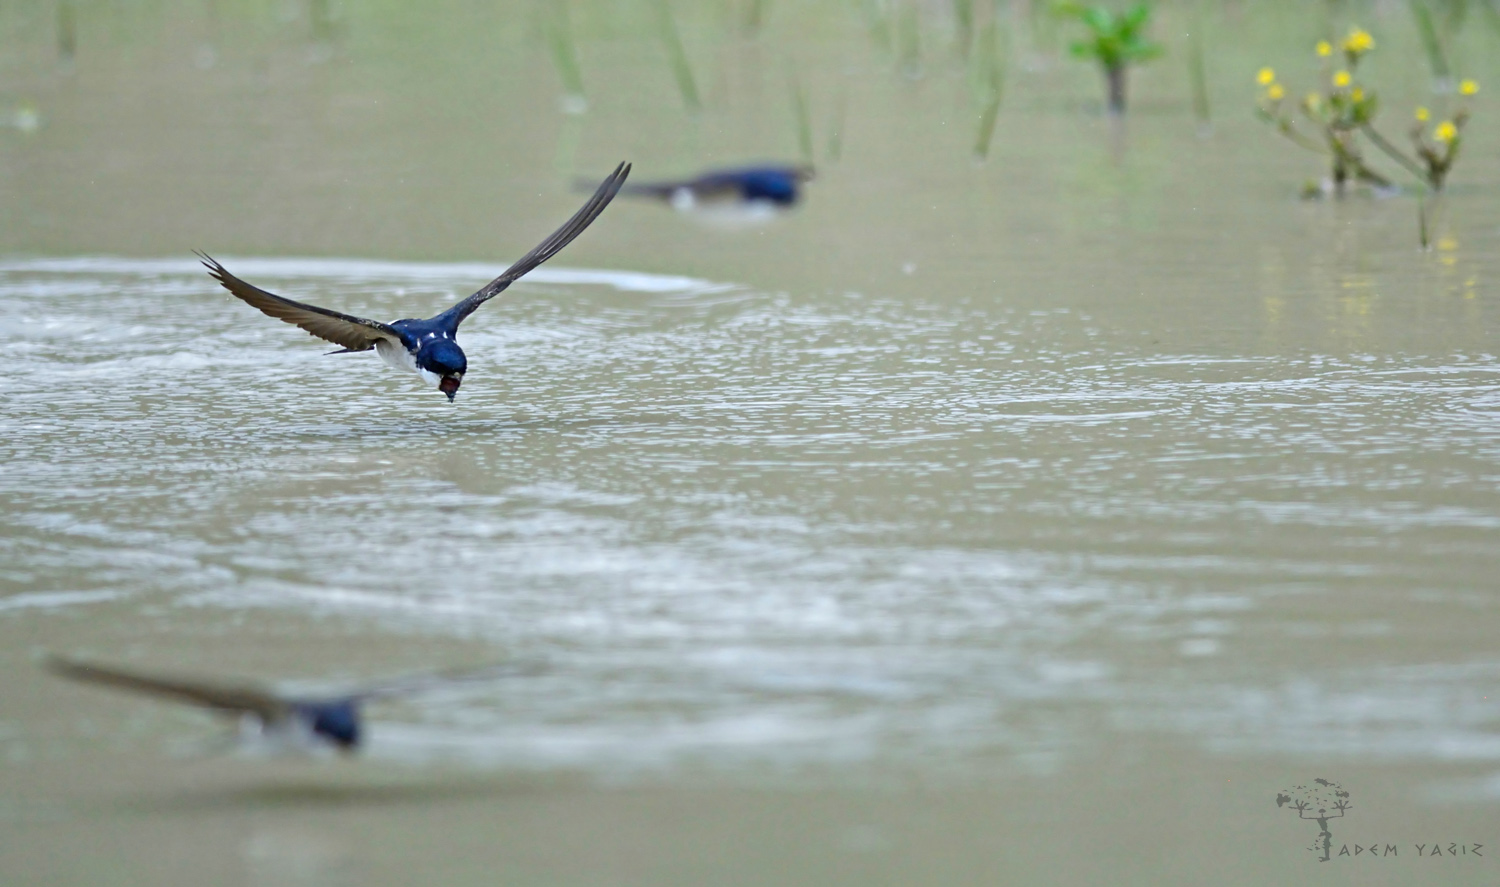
(749,526)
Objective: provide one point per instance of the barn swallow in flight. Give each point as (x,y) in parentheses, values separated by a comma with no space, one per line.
(742,194)
(426,347)
(281,722)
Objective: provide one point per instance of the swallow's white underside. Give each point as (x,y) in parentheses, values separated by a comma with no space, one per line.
(291,737)
(401,359)
(727,212)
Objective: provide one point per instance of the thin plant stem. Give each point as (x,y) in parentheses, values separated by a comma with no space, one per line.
(989,59)
(1422,234)
(320,18)
(682,71)
(879,24)
(1431,42)
(1114,82)
(836,131)
(987,120)
(803,120)
(1297,138)
(755,16)
(67,32)
(909,37)
(963,20)
(565,55)
(1196,73)
(1395,153)
(991,77)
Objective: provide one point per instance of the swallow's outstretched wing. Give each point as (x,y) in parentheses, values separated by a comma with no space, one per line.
(707,187)
(745,181)
(354,333)
(406,685)
(228,698)
(544,250)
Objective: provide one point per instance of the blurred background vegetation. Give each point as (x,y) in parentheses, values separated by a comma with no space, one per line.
(455,129)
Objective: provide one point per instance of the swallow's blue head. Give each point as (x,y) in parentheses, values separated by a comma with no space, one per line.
(442,357)
(337,722)
(776,184)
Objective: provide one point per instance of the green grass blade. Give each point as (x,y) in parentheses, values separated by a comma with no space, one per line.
(1431,43)
(565,55)
(909,39)
(988,117)
(682,71)
(1197,75)
(803,119)
(963,22)
(836,130)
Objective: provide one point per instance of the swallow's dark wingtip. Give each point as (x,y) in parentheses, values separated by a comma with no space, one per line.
(209,262)
(612,182)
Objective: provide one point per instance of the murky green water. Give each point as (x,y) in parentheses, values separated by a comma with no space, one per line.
(1043,517)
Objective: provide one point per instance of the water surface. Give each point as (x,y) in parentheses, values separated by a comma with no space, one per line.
(1028,498)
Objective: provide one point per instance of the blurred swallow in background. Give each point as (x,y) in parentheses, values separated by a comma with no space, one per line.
(426,347)
(746,194)
(272,721)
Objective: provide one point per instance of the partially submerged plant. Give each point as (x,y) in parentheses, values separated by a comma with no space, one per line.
(1115,41)
(1438,149)
(1334,113)
(1344,109)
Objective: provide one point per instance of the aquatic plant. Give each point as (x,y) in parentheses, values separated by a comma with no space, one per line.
(802,118)
(682,70)
(1345,108)
(67,34)
(909,41)
(565,58)
(1115,41)
(1432,44)
(988,80)
(1197,75)
(835,148)
(963,25)
(754,17)
(1438,23)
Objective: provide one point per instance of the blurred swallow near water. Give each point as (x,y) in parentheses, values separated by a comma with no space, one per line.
(274,721)
(425,347)
(745,194)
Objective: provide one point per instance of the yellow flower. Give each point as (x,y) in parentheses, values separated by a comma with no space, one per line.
(1358,42)
(1324,49)
(1468,87)
(1266,77)
(1275,92)
(1422,114)
(1357,94)
(1446,131)
(1341,79)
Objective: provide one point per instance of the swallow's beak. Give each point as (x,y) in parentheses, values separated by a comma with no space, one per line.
(449,386)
